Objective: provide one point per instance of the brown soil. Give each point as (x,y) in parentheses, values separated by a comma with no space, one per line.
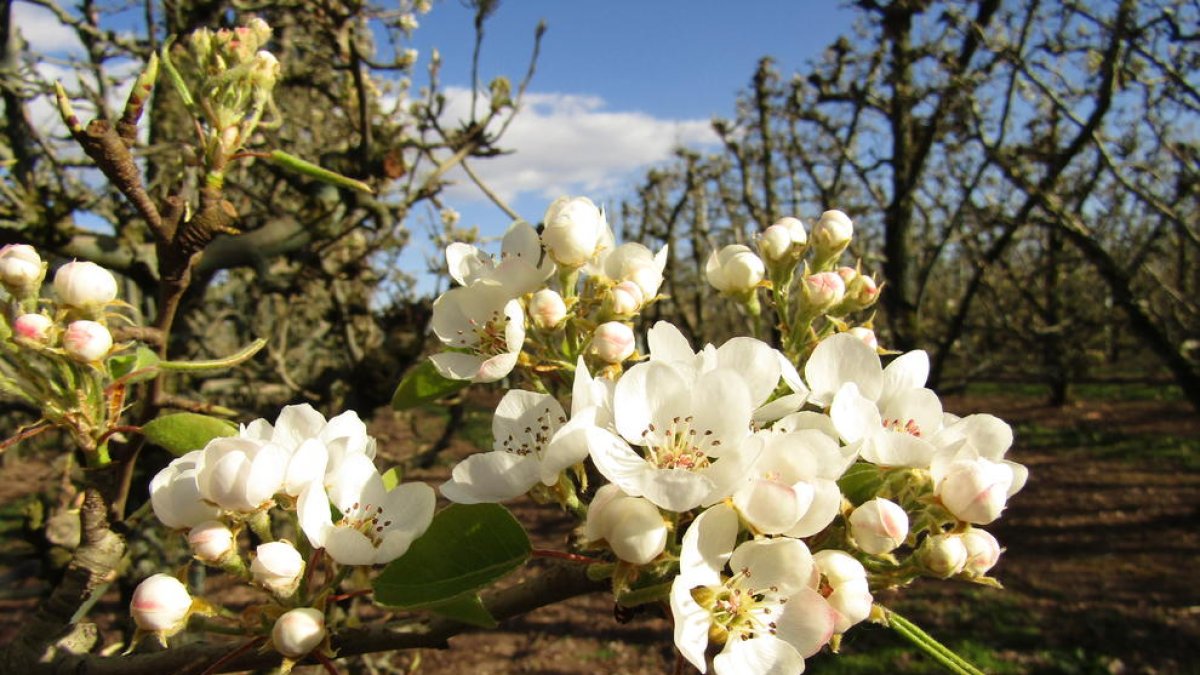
(1099,568)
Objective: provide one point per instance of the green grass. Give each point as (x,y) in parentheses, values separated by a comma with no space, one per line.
(1085,391)
(1154,449)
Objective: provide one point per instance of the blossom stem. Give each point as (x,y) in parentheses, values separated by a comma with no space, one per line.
(642,596)
(926,643)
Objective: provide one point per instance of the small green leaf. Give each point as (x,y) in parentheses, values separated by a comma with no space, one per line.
(467,547)
(281,158)
(181,433)
(391,478)
(860,482)
(215,364)
(139,366)
(424,384)
(467,608)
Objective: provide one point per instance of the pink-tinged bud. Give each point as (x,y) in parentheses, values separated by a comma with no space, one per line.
(547,309)
(613,341)
(975,490)
(160,604)
(944,555)
(632,526)
(21,270)
(983,551)
(879,526)
(626,298)
(838,567)
(848,275)
(87,341)
(823,291)
(783,242)
(832,233)
(84,285)
(277,567)
(866,335)
(211,541)
(35,327)
(575,229)
(298,632)
(735,270)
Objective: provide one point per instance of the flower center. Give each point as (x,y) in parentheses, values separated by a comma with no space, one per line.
(738,609)
(679,446)
(487,338)
(536,436)
(366,519)
(908,426)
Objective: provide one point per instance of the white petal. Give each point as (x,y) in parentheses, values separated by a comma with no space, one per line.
(491,477)
(826,504)
(894,448)
(457,365)
(791,376)
(781,562)
(808,420)
(667,343)
(906,371)
(410,508)
(707,545)
(349,547)
(917,404)
(840,359)
(494,368)
(592,530)
(675,490)
(721,403)
(807,621)
(854,416)
(306,465)
(568,447)
(755,361)
(691,624)
(521,241)
(763,655)
(1020,475)
(649,392)
(315,516)
(515,422)
(780,407)
(464,262)
(616,461)
(769,506)
(297,423)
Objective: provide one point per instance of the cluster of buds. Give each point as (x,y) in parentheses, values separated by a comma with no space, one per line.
(222,497)
(550,299)
(772,490)
(802,275)
(63,335)
(227,79)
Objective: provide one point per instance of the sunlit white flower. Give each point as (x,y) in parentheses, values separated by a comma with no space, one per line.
(298,631)
(632,526)
(84,285)
(878,526)
(376,525)
(575,231)
(533,443)
(520,270)
(634,262)
(791,487)
(783,242)
(845,587)
(758,600)
(161,605)
(970,474)
(175,494)
(277,567)
(486,324)
(735,269)
(316,447)
(241,474)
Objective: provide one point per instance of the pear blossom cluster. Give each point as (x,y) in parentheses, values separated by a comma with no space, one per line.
(223,498)
(773,489)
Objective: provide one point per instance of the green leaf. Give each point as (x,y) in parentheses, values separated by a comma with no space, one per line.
(860,482)
(467,547)
(139,366)
(424,384)
(391,478)
(467,608)
(281,158)
(215,364)
(181,433)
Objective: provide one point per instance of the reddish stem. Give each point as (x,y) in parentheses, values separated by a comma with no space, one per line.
(245,647)
(562,555)
(324,660)
(351,594)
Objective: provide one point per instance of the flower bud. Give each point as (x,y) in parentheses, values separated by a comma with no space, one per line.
(21,270)
(84,285)
(838,567)
(982,552)
(278,567)
(866,335)
(298,632)
(975,490)
(574,231)
(260,30)
(626,298)
(265,71)
(783,242)
(211,541)
(632,526)
(848,592)
(87,341)
(822,291)
(830,236)
(735,269)
(547,309)
(944,555)
(35,327)
(613,341)
(879,526)
(160,604)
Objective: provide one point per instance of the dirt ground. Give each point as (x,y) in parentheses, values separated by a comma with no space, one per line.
(1100,568)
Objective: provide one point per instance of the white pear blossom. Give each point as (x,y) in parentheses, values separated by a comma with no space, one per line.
(175,494)
(878,526)
(520,270)
(547,309)
(85,285)
(784,241)
(211,541)
(626,298)
(613,341)
(486,324)
(575,231)
(533,443)
(21,269)
(634,262)
(376,525)
(832,233)
(758,600)
(317,447)
(277,567)
(241,474)
(845,587)
(160,604)
(735,269)
(791,487)
(970,474)
(633,527)
(983,551)
(87,341)
(298,631)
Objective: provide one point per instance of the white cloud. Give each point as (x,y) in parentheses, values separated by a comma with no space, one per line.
(43,31)
(570,144)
